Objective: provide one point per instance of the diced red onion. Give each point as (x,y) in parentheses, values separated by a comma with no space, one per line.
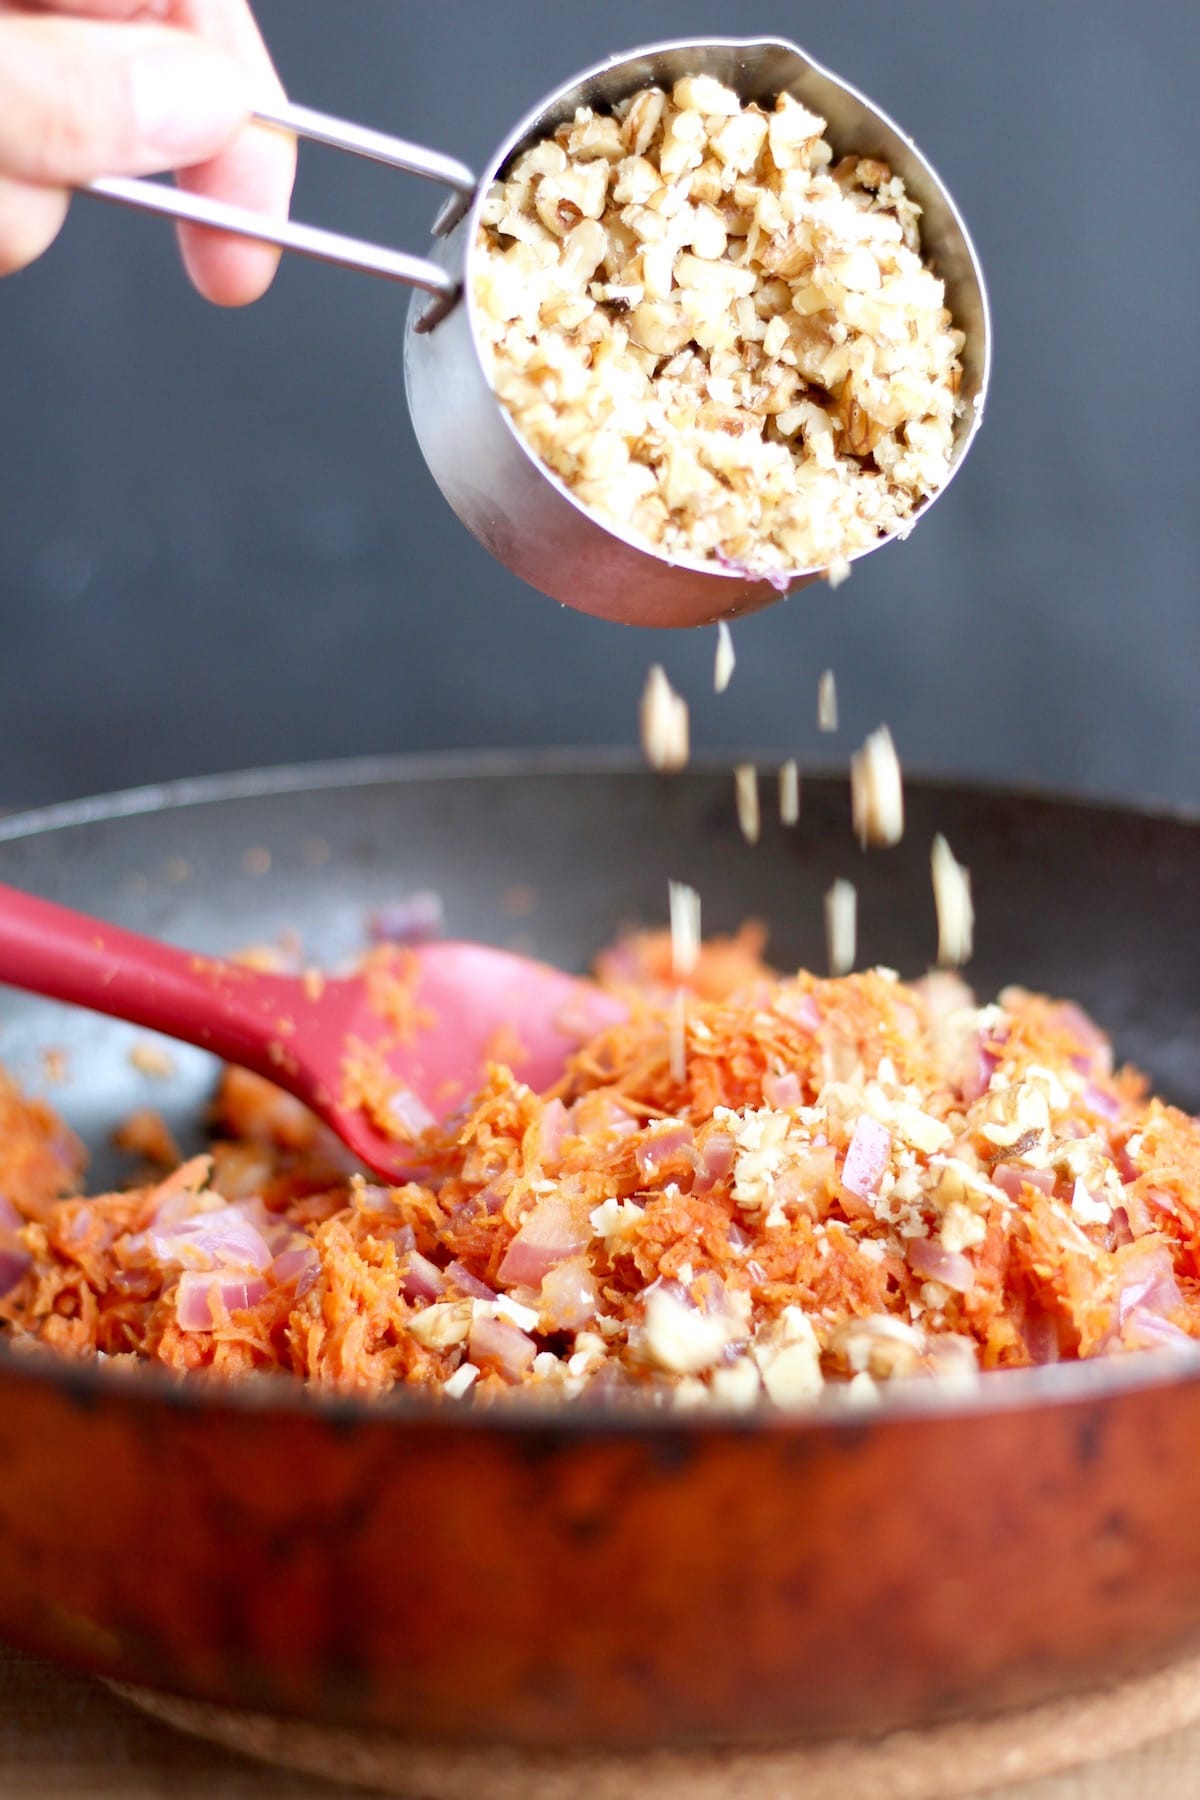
(550,1234)
(981,1066)
(660,1146)
(932,1262)
(800,1009)
(372,1197)
(738,1239)
(1099,1100)
(1148,1284)
(467,1283)
(419,918)
(300,1265)
(494,1343)
(781,1091)
(1121,1229)
(568,1297)
(421,1279)
(182,1204)
(1127,1169)
(275,1230)
(403,1237)
(73,1223)
(194,1297)
(223,1238)
(552,1129)
(716,1158)
(1010,1177)
(866,1156)
(10,1218)
(1144,1330)
(608,1383)
(410,1114)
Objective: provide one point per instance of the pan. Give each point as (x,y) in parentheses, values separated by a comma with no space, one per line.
(599,1576)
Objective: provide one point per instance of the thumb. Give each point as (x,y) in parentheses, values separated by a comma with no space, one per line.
(81,98)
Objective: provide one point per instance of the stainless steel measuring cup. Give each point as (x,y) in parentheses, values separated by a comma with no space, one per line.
(522,512)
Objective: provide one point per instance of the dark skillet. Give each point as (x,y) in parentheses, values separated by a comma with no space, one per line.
(591,1577)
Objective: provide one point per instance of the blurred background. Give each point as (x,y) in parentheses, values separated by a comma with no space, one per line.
(219,546)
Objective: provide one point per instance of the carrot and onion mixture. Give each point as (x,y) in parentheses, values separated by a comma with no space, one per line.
(848,1181)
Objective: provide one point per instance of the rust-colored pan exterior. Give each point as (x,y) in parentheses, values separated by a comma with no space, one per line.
(595,1576)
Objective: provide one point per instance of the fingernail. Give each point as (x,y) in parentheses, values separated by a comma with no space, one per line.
(186,102)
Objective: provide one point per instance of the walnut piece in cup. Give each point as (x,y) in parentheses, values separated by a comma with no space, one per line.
(725,343)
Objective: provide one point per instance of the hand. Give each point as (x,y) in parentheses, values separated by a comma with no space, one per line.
(135,87)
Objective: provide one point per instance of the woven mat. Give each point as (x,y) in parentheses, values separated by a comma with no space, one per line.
(61,1734)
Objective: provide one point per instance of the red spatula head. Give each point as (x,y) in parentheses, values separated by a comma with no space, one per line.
(391,1051)
(380,1055)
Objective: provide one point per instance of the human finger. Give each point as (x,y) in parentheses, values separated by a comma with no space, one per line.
(30,220)
(255,169)
(85,97)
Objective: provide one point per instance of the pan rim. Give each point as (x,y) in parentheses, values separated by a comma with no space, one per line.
(1048,1388)
(501,764)
(1058,1387)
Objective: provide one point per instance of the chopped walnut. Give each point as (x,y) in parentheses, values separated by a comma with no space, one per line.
(955,910)
(877,791)
(789,792)
(841,926)
(745,780)
(728,350)
(664,723)
(725,660)
(684,904)
(827,706)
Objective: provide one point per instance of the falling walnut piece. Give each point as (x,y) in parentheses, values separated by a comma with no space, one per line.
(725,660)
(827,705)
(841,927)
(726,345)
(955,910)
(685,927)
(789,792)
(877,791)
(664,722)
(745,777)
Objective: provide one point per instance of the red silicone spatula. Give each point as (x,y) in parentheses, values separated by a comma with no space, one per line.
(462,1004)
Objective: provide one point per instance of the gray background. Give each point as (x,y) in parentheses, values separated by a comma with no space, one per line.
(219,546)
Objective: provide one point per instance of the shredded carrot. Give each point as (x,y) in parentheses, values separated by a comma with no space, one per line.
(391,973)
(146,1133)
(847,1181)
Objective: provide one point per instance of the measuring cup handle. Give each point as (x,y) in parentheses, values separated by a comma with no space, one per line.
(313,240)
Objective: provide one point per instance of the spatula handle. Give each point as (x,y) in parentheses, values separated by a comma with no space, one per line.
(64,955)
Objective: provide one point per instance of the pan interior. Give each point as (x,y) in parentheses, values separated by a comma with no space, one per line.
(555,854)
